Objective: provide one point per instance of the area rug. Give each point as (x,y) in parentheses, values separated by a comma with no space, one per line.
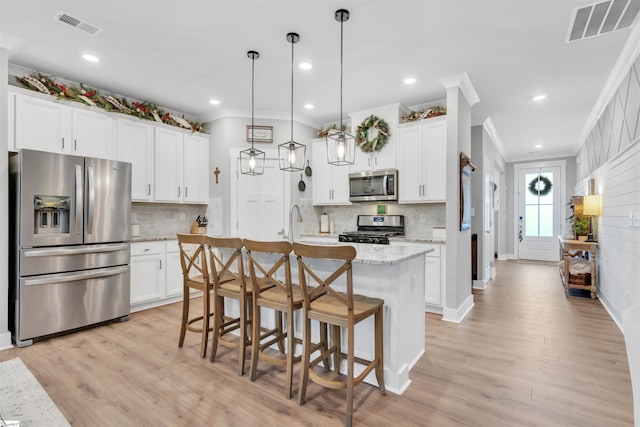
(23,400)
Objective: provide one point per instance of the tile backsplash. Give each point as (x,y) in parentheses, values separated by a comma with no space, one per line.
(164,219)
(419,218)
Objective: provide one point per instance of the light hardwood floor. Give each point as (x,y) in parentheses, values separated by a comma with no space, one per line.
(525,356)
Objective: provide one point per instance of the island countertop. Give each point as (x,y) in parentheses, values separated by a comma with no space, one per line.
(367,253)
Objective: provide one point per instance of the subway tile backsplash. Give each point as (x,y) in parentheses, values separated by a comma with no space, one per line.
(419,218)
(164,219)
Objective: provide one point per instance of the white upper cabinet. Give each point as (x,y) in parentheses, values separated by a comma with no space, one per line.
(135,145)
(181,167)
(92,134)
(52,126)
(168,165)
(42,125)
(11,99)
(330,183)
(196,168)
(422,161)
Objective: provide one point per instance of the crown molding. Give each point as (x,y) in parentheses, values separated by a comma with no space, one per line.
(493,134)
(462,81)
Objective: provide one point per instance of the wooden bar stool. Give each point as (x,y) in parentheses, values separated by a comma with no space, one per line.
(229,281)
(285,297)
(195,275)
(340,310)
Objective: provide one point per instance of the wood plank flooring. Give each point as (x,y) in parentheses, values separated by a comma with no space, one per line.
(525,356)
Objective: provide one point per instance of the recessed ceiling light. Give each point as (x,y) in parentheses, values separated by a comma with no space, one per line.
(537,146)
(91,58)
(214,102)
(305,66)
(539,97)
(309,106)
(409,81)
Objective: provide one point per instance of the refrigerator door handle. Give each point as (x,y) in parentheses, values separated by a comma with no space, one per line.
(34,253)
(74,277)
(78,228)
(91,197)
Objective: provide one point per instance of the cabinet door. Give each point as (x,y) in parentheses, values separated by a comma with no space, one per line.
(432,281)
(147,277)
(410,167)
(92,134)
(174,282)
(135,145)
(11,99)
(434,148)
(362,161)
(330,183)
(168,165)
(42,125)
(196,169)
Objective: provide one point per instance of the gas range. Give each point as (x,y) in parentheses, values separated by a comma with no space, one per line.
(375,229)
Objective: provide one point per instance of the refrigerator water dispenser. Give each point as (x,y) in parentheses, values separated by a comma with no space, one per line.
(51,214)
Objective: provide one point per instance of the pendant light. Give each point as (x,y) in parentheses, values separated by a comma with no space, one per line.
(292,154)
(341,146)
(252,160)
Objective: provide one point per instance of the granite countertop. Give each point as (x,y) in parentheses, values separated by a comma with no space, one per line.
(392,239)
(152,238)
(368,253)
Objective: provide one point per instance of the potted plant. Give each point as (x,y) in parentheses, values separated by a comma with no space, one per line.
(581,227)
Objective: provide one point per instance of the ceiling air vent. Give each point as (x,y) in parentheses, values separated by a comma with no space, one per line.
(78,24)
(604,17)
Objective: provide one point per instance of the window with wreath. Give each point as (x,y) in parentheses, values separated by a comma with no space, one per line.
(539,204)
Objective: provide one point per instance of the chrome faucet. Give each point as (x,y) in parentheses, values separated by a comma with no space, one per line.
(291,220)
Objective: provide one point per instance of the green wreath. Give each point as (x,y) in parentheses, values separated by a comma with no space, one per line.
(533,186)
(362,134)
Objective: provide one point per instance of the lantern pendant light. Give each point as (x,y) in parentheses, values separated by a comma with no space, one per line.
(341,146)
(292,154)
(252,160)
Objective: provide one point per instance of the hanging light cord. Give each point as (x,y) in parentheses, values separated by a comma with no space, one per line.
(292,43)
(253,65)
(341,43)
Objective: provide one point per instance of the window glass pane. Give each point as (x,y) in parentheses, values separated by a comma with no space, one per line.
(530,198)
(548,198)
(546,220)
(531,221)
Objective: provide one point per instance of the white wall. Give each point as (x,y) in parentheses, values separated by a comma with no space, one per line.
(230,132)
(611,156)
(5,336)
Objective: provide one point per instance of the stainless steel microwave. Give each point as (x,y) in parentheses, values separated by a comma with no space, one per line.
(375,185)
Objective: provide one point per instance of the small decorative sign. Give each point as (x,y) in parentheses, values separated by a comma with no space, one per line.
(260,133)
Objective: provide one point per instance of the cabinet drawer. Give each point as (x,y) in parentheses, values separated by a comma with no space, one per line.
(171,246)
(147,248)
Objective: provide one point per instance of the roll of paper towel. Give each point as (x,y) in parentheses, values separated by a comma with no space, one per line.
(324,223)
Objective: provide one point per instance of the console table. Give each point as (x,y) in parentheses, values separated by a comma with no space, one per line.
(586,253)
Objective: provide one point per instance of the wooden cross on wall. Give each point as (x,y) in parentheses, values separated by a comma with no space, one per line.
(216,173)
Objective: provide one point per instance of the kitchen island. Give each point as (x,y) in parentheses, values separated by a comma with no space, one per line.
(395,274)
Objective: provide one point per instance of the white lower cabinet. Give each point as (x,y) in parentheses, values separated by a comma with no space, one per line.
(174,270)
(156,274)
(434,278)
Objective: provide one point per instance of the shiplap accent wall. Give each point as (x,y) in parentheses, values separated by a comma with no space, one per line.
(611,156)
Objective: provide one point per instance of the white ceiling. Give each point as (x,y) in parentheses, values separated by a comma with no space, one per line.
(180,54)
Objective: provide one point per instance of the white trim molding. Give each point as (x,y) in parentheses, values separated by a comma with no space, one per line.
(5,340)
(464,83)
(493,134)
(457,315)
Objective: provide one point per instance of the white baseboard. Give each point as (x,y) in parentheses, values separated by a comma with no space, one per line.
(506,257)
(5,340)
(456,315)
(607,307)
(479,284)
(436,309)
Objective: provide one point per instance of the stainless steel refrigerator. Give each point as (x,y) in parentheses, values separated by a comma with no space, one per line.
(70,234)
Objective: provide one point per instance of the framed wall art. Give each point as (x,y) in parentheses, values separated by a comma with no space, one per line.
(260,133)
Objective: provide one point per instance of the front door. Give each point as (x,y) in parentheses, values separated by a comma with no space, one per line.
(539,219)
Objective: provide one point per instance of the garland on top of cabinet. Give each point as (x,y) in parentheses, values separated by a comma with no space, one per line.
(144,110)
(362,134)
(546,186)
